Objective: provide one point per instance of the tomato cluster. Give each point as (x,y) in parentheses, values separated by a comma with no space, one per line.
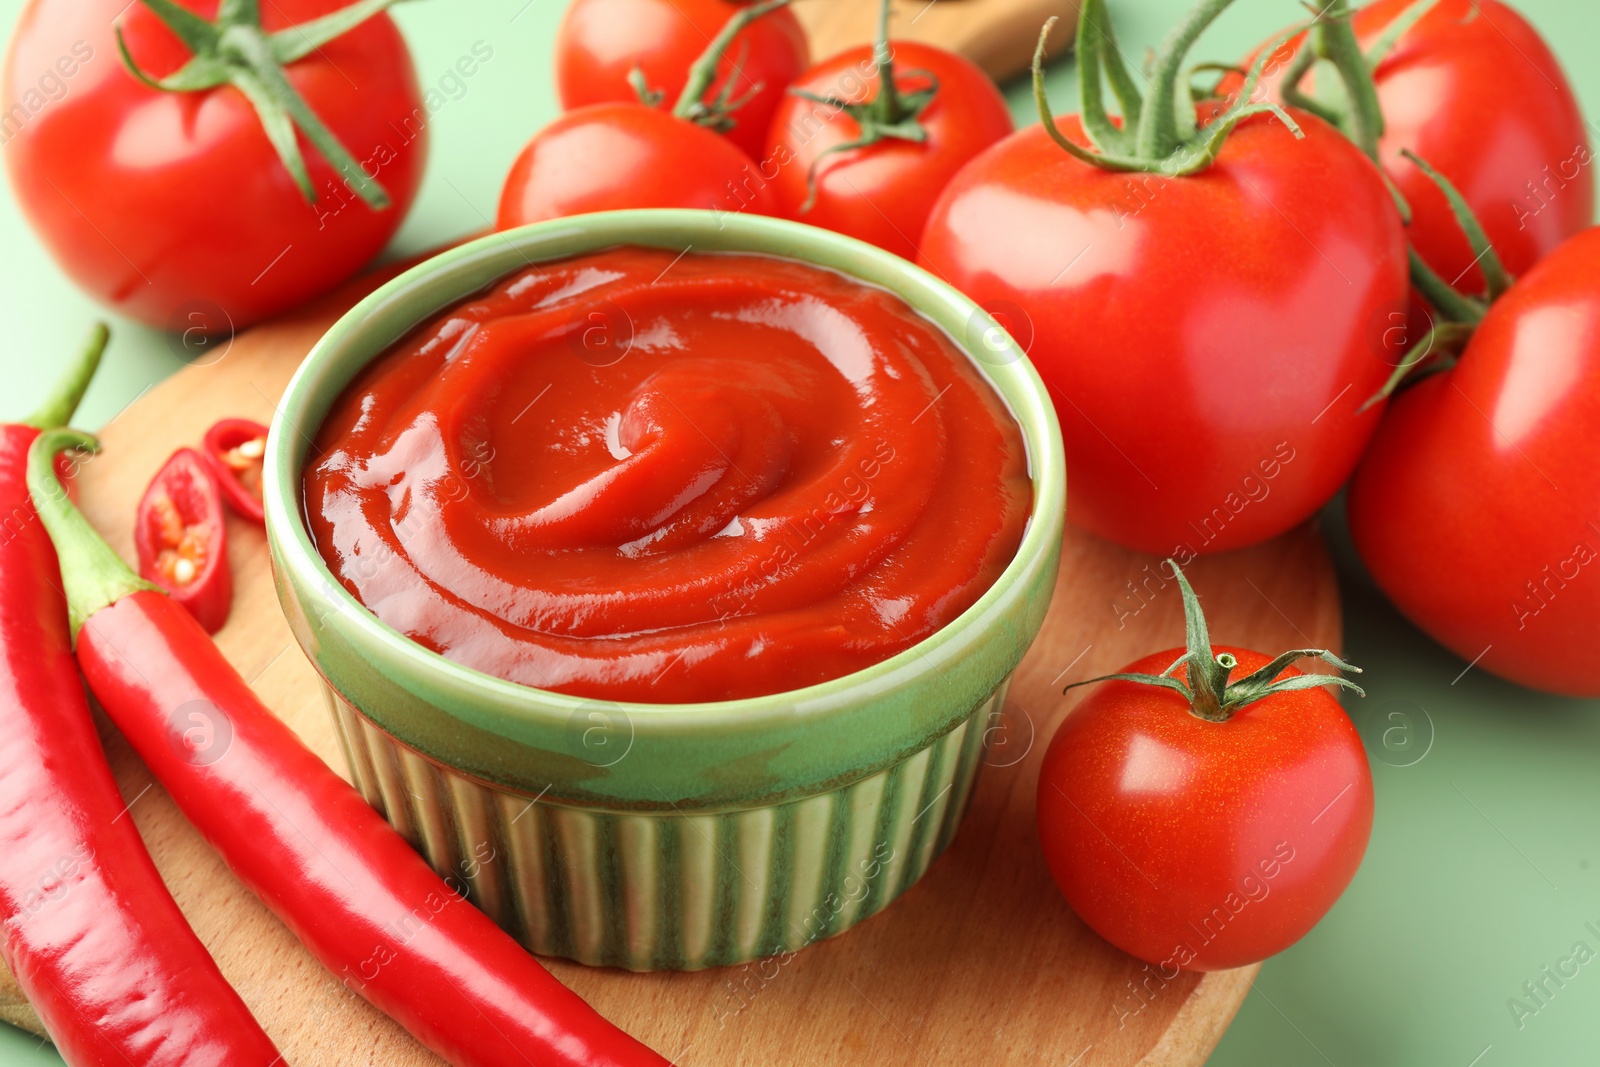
(1432,162)
(1214,299)
(861,143)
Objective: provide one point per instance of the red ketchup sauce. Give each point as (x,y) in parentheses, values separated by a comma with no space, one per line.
(635,475)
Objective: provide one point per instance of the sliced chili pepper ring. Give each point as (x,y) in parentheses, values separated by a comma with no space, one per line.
(182,538)
(235,449)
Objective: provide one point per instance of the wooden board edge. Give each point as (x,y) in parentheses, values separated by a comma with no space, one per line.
(1204,1018)
(20,1013)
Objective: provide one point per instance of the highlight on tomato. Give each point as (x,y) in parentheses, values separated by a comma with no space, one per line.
(625,51)
(652,158)
(1472,87)
(214,163)
(1204,807)
(1474,508)
(1202,286)
(864,142)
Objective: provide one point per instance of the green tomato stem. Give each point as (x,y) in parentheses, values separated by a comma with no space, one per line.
(691,105)
(1335,40)
(1157,135)
(235,50)
(1211,694)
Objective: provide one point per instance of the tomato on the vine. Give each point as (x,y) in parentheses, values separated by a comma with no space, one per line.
(1472,88)
(657,160)
(1208,817)
(867,155)
(1477,508)
(651,158)
(1203,305)
(176,207)
(601,42)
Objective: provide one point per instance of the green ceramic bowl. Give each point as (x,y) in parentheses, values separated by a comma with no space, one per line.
(655,836)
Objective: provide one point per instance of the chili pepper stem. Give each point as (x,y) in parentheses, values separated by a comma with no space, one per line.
(1210,693)
(68,391)
(92,573)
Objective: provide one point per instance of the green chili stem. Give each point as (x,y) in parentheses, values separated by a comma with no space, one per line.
(68,391)
(92,574)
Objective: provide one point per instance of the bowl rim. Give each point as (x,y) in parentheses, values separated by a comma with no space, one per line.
(506,707)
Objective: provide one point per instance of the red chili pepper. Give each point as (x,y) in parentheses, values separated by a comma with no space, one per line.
(305,842)
(182,538)
(86,925)
(235,448)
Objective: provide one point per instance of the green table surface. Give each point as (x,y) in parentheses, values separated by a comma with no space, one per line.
(1480,872)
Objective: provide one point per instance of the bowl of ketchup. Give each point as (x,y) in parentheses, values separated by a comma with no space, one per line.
(665,569)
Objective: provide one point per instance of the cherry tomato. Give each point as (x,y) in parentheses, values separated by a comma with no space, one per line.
(1475,508)
(236,450)
(600,42)
(1200,845)
(882,192)
(1207,339)
(1473,89)
(652,160)
(182,538)
(173,208)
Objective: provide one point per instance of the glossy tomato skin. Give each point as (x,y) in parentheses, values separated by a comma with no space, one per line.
(601,41)
(1207,340)
(882,193)
(1477,509)
(169,205)
(1195,845)
(652,160)
(1474,89)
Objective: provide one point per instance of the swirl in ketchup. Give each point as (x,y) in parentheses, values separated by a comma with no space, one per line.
(636,475)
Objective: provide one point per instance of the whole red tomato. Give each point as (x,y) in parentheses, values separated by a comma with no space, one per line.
(653,159)
(1202,844)
(1475,91)
(881,192)
(1207,339)
(173,208)
(1477,508)
(601,42)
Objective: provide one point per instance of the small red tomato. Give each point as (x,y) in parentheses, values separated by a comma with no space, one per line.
(182,539)
(236,450)
(652,159)
(1206,823)
(851,159)
(601,42)
(174,207)
(1473,89)
(1476,507)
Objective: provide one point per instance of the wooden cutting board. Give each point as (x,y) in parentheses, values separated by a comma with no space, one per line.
(998,35)
(982,960)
